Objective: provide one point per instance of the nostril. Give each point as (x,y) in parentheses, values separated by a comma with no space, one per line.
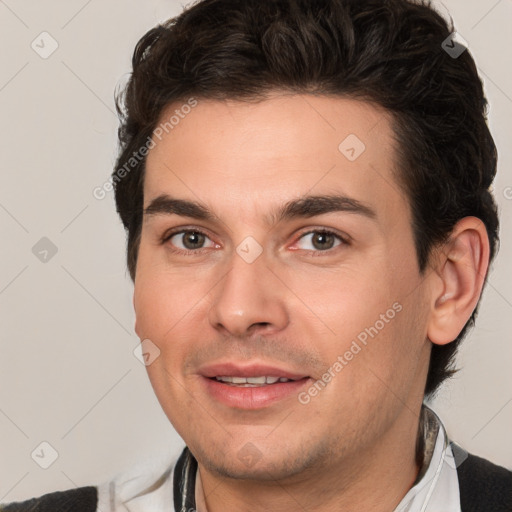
(260,324)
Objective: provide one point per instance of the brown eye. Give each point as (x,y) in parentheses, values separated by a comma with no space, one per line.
(323,241)
(320,240)
(189,240)
(193,240)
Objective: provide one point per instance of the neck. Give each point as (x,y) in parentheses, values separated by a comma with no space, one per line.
(375,480)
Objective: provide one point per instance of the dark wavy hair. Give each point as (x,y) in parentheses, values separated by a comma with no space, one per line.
(388,52)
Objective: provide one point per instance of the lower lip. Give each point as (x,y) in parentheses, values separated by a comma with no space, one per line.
(250,398)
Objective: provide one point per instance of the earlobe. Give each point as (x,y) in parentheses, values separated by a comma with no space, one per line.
(461,267)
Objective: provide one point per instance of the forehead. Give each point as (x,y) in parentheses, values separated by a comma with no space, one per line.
(247,156)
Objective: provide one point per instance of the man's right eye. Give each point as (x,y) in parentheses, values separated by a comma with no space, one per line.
(187,240)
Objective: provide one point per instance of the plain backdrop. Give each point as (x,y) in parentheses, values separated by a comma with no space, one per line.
(68,373)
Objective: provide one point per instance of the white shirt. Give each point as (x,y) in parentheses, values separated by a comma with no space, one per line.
(149,487)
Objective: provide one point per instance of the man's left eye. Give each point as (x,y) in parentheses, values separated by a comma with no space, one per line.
(321,240)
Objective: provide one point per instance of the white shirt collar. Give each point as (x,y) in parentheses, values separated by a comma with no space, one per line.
(149,487)
(438,489)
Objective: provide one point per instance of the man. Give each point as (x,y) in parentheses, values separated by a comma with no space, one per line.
(305,189)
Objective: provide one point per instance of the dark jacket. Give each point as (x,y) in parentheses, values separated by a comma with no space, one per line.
(484,487)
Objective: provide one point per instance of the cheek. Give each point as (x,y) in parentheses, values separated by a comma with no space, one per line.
(164,297)
(153,305)
(345,300)
(171,310)
(163,316)
(393,356)
(375,323)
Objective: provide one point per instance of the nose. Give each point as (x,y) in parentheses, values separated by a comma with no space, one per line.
(249,299)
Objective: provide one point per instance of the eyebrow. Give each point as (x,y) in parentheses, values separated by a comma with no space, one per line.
(303,207)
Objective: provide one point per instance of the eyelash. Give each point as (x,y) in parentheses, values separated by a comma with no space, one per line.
(167,236)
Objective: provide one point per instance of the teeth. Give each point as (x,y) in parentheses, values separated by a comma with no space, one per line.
(263,380)
(256,380)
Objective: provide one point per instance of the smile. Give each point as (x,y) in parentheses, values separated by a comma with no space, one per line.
(252,381)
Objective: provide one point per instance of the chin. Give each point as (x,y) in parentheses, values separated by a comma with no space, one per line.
(261,463)
(261,472)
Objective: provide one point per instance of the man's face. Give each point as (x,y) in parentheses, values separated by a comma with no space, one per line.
(250,292)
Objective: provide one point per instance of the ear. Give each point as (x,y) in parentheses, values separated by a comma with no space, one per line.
(461,266)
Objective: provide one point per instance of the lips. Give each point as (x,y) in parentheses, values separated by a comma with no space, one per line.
(252,370)
(246,389)
(252,381)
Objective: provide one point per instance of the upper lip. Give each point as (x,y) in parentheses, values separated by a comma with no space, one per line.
(231,369)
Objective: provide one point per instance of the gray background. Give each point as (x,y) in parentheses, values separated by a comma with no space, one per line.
(68,373)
